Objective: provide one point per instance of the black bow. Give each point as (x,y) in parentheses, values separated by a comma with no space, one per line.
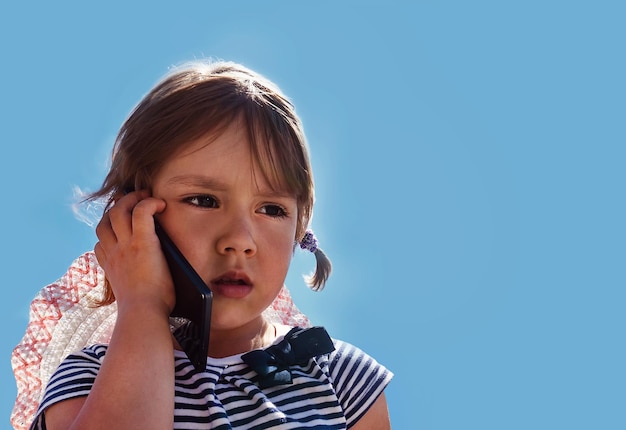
(299,345)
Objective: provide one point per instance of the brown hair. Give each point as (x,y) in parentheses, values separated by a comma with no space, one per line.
(204,98)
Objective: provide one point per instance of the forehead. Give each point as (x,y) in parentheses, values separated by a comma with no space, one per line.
(226,156)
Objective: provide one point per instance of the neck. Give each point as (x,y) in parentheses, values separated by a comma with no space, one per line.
(254,335)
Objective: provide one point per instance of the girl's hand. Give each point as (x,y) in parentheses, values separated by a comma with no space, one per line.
(130,254)
(130,390)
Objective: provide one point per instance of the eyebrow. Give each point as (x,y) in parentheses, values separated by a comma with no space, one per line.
(198,181)
(214,184)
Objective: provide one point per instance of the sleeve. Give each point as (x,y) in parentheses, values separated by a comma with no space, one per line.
(358,379)
(74,378)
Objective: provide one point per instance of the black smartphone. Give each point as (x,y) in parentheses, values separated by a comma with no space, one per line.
(193,303)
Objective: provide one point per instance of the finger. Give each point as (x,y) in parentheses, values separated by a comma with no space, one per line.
(104,231)
(100,254)
(143,215)
(120,214)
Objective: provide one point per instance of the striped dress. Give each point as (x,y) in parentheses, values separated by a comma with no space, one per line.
(329,391)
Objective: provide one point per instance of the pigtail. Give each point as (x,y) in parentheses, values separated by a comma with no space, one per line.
(323,268)
(317,281)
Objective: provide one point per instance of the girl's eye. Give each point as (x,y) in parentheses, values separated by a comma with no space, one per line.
(204,201)
(274,211)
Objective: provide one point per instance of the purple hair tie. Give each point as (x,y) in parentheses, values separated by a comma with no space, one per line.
(309,241)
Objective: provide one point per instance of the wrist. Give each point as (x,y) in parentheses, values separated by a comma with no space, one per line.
(143,309)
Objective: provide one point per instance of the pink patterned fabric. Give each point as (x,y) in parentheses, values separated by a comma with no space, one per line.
(63,320)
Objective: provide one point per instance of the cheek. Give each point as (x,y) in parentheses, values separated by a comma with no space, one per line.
(283,248)
(279,261)
(280,248)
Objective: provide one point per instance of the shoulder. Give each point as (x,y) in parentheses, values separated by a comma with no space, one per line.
(349,361)
(358,378)
(74,377)
(342,359)
(90,357)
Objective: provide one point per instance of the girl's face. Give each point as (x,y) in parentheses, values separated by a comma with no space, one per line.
(235,231)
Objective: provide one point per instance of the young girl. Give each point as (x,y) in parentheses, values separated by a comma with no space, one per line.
(217,154)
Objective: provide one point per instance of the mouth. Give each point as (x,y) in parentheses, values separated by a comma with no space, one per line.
(234,285)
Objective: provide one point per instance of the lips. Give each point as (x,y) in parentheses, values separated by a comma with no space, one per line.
(234,285)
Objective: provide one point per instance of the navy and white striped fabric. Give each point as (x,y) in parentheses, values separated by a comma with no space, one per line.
(332,391)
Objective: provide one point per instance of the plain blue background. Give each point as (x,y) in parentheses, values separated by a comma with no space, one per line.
(469,158)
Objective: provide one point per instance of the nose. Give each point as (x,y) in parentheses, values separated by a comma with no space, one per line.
(237,239)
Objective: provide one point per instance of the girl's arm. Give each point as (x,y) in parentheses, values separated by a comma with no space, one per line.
(135,384)
(376,417)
